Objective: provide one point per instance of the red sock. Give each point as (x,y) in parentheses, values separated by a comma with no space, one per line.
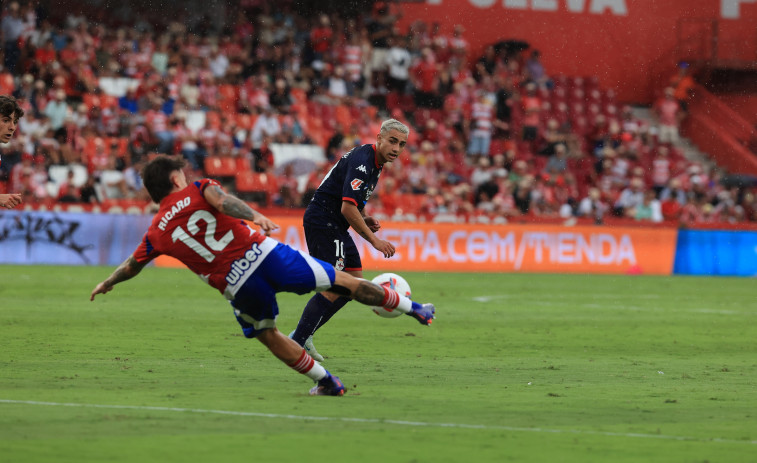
(303,364)
(308,367)
(391,298)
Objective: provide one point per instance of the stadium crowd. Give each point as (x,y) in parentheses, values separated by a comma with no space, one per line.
(495,137)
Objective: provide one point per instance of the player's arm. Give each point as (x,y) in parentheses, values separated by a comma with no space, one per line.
(355,218)
(235,207)
(372,222)
(10,200)
(127,270)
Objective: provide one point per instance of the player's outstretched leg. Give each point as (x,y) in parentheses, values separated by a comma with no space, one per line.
(291,353)
(369,293)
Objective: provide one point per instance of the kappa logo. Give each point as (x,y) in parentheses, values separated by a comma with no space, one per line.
(356,184)
(362,169)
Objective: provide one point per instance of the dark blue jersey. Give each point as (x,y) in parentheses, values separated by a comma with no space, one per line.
(353,178)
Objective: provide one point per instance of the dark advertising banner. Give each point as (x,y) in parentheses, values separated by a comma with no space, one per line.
(29,237)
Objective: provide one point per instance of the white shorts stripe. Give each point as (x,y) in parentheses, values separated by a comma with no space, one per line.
(322,280)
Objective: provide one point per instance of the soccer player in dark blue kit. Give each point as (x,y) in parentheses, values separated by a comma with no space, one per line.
(338,205)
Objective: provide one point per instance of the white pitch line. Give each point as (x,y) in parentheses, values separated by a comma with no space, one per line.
(377,421)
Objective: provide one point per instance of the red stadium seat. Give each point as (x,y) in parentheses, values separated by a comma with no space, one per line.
(255,186)
(213,120)
(245,121)
(220,166)
(228,97)
(343,116)
(298,95)
(7,86)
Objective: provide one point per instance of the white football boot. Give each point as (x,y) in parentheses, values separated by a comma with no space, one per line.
(310,348)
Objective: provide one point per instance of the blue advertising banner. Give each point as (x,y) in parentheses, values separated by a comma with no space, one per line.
(31,237)
(724,253)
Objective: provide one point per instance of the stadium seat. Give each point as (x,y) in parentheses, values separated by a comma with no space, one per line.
(222,167)
(213,120)
(255,186)
(298,95)
(7,86)
(59,174)
(228,97)
(343,116)
(243,164)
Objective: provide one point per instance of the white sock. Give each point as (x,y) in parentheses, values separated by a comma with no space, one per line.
(309,367)
(395,300)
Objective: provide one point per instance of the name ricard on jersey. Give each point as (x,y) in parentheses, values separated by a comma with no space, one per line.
(180,204)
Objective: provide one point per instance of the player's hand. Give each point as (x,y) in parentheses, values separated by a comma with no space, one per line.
(372,223)
(101,288)
(385,247)
(10,201)
(266,224)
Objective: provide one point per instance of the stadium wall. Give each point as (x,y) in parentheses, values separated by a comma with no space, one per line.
(54,238)
(629,44)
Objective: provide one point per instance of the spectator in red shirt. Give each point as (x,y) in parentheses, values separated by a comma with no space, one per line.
(669,112)
(425,78)
(46,54)
(321,36)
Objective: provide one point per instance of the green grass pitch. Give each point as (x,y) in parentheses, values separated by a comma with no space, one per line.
(517,367)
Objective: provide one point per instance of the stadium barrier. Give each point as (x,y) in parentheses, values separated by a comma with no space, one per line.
(60,238)
(507,248)
(54,238)
(716,252)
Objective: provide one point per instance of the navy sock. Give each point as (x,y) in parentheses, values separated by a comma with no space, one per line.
(314,311)
(333,309)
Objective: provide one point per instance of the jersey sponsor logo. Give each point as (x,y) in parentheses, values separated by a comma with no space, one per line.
(180,204)
(356,184)
(241,265)
(362,169)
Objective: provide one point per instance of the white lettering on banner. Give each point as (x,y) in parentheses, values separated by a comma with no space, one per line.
(562,248)
(616,7)
(432,247)
(731,9)
(292,238)
(515,4)
(544,5)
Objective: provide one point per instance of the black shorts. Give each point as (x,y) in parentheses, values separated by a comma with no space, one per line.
(333,246)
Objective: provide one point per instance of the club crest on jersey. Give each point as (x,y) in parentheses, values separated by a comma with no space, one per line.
(339,264)
(362,169)
(239,266)
(180,204)
(356,184)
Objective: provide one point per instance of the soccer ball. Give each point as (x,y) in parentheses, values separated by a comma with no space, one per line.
(395,282)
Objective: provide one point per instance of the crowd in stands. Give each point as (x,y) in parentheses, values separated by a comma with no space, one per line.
(494,136)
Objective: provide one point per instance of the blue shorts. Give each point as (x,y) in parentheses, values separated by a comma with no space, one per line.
(334,246)
(283,269)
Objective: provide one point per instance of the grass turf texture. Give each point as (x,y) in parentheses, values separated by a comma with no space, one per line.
(517,367)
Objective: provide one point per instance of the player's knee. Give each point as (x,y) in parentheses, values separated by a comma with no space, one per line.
(266,335)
